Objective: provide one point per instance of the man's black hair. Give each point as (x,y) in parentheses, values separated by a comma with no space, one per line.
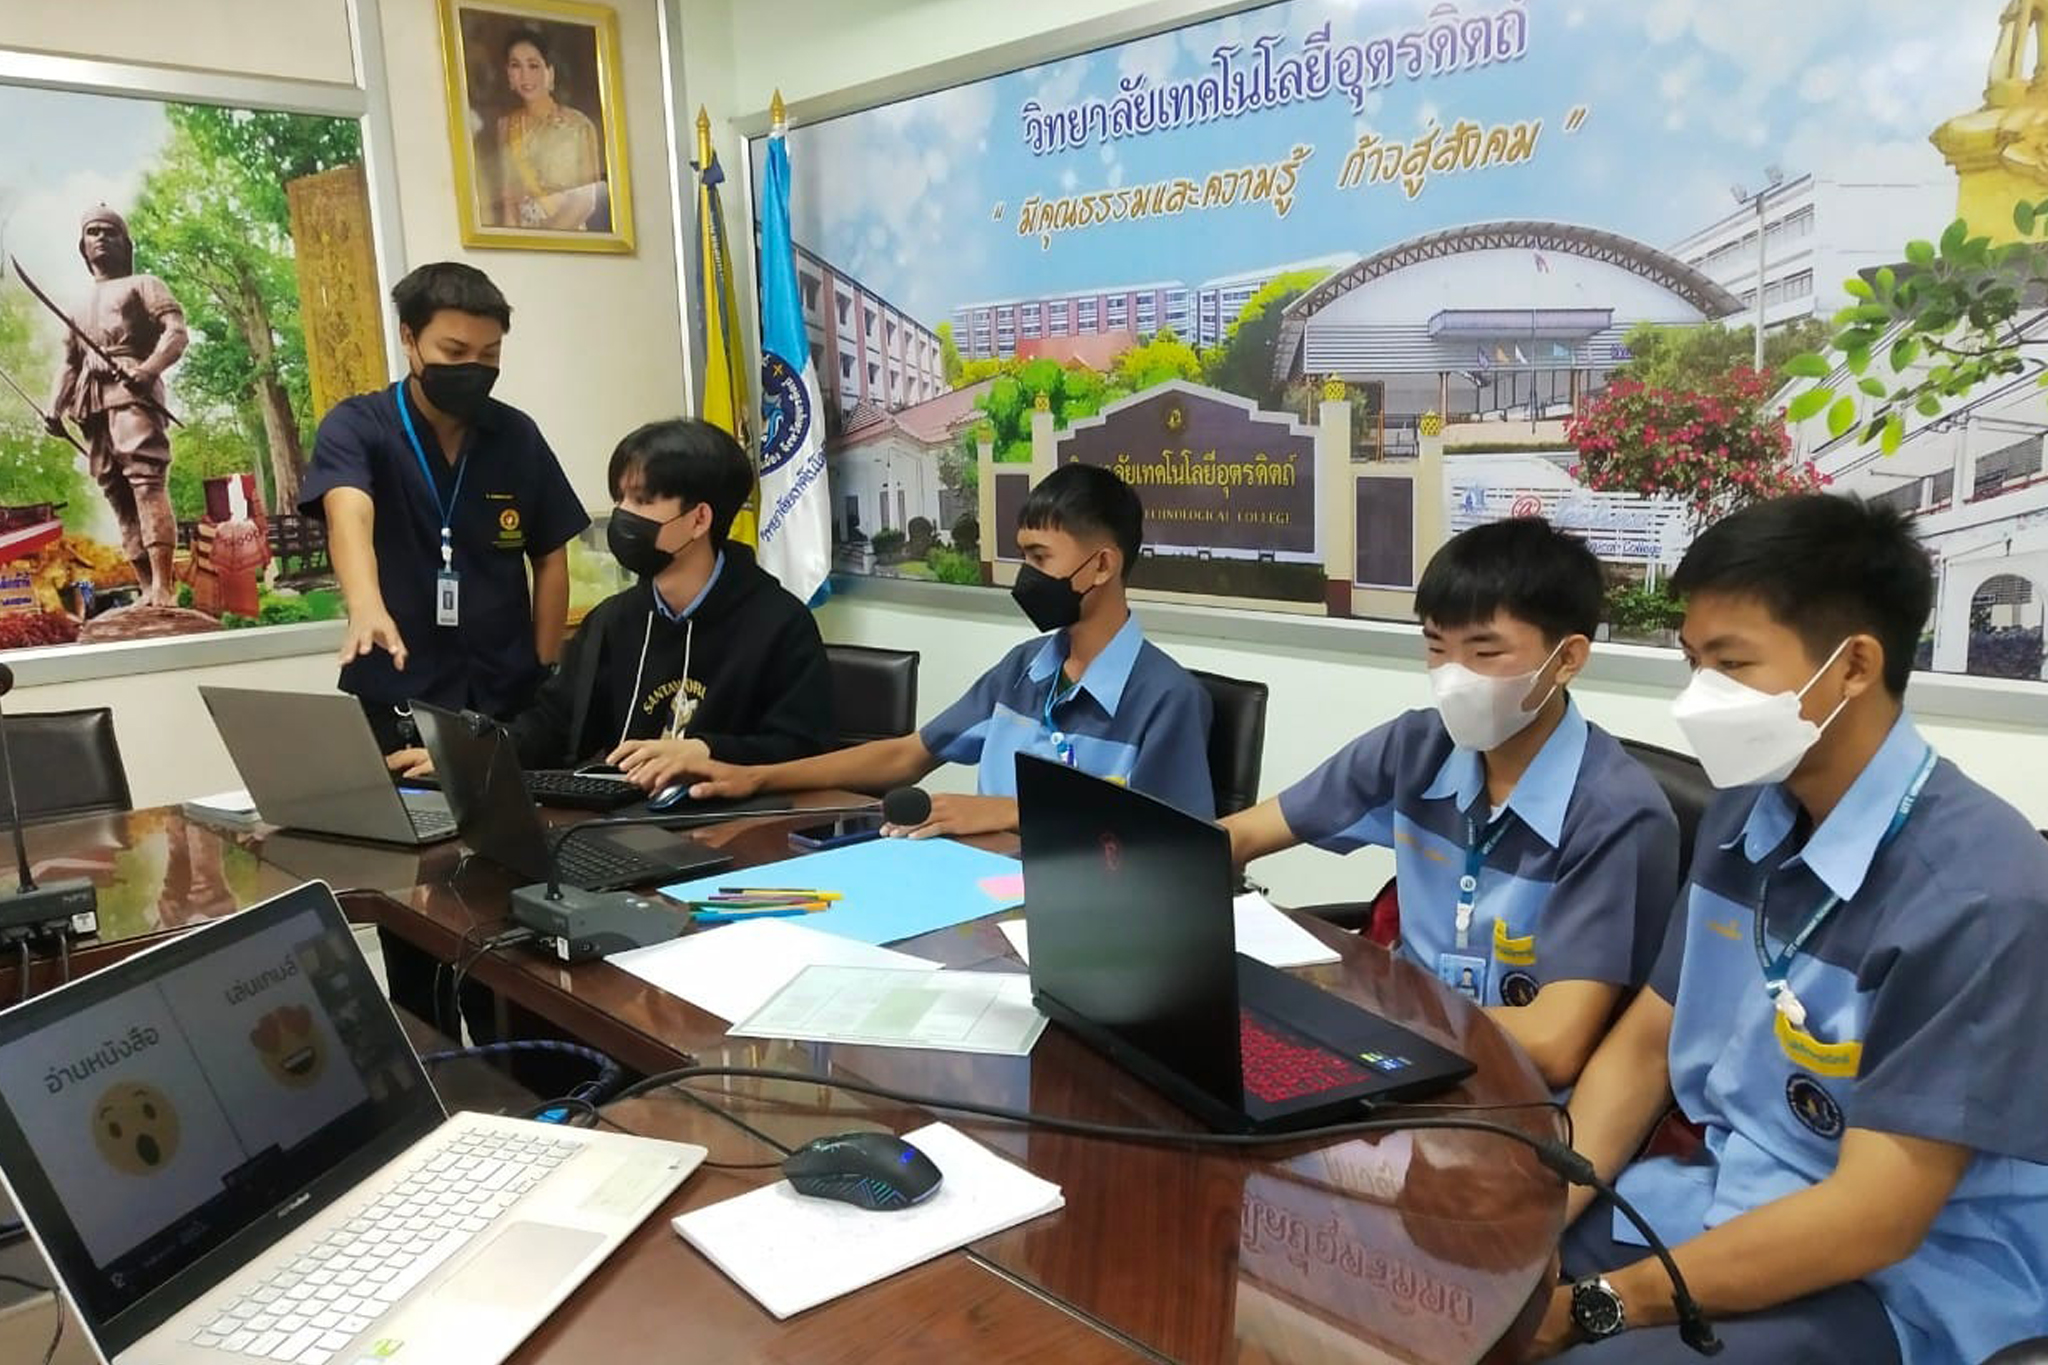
(688,459)
(1522,567)
(448,285)
(1087,500)
(1827,566)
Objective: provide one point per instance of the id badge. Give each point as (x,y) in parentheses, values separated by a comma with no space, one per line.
(1464,974)
(447,598)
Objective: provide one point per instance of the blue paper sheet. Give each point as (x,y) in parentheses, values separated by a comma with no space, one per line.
(892,889)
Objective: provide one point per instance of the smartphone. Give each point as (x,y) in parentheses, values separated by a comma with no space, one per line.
(847,829)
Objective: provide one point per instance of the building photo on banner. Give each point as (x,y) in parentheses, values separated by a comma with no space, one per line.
(187,289)
(1329,282)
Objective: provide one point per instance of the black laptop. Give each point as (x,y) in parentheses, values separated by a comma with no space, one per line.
(481,777)
(1133,948)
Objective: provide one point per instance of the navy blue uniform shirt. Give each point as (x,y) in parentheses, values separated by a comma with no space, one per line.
(513,504)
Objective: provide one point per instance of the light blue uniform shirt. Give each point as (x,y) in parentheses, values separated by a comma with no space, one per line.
(1926,1015)
(1135,717)
(1578,888)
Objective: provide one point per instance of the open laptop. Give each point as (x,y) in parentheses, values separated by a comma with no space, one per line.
(481,777)
(1133,947)
(311,763)
(227,1150)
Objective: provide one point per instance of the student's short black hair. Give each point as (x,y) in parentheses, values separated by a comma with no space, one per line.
(1522,567)
(688,459)
(1826,565)
(1087,500)
(448,285)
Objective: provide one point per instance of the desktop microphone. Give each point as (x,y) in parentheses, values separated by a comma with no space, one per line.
(575,924)
(29,910)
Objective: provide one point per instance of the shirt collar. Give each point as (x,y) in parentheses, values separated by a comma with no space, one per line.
(1107,674)
(1842,849)
(1545,788)
(688,609)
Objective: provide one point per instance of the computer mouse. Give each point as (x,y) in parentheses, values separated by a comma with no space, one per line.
(669,797)
(870,1170)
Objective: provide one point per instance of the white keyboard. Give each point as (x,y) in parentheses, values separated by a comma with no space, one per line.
(317,1304)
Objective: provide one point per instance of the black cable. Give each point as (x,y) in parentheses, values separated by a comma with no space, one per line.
(25,965)
(30,1285)
(1693,1326)
(56,1302)
(64,957)
(591,1092)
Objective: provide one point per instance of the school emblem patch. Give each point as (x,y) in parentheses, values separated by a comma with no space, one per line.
(1518,988)
(508,520)
(1813,1106)
(785,413)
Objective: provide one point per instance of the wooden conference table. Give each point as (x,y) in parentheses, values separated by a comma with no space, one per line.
(1431,1247)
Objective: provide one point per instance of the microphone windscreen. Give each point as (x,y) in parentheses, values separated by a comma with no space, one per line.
(907,806)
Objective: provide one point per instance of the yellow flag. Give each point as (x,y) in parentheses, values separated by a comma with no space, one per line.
(728,401)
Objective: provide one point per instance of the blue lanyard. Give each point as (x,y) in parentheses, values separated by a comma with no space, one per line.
(1061,745)
(1476,854)
(446,509)
(1777,969)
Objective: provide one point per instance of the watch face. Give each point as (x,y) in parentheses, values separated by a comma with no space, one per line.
(1596,1309)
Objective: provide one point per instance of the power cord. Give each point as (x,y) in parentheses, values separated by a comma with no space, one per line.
(56,1302)
(590,1094)
(1558,1156)
(466,961)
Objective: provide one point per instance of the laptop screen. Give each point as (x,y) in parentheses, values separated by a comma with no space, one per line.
(197,1101)
(480,774)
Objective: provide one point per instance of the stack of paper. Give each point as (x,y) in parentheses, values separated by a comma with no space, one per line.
(1262,933)
(733,970)
(988,1012)
(234,808)
(793,1252)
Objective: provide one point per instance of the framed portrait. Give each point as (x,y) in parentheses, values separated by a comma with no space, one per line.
(537,119)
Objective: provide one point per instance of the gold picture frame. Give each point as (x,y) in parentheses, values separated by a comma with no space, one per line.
(537,123)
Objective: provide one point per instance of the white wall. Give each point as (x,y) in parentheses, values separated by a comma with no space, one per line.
(296,39)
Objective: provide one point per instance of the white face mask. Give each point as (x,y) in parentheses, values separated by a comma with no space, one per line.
(1482,712)
(1743,736)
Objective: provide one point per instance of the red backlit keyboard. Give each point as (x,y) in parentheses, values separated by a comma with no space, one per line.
(1277,1068)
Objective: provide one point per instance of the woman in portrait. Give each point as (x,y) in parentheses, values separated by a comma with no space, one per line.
(547,151)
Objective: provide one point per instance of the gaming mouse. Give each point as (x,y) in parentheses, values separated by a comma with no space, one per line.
(871,1170)
(669,797)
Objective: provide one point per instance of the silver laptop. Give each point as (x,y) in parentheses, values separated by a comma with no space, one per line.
(227,1150)
(310,762)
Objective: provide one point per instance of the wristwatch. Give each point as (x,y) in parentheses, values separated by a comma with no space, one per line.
(1596,1309)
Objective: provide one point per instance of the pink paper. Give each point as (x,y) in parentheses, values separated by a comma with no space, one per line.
(1008,887)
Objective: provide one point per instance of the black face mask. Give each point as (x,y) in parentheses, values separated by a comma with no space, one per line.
(458,390)
(631,538)
(1051,603)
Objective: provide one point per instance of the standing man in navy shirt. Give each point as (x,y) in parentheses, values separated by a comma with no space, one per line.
(437,498)
(1848,1001)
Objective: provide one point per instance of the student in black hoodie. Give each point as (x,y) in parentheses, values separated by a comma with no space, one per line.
(706,656)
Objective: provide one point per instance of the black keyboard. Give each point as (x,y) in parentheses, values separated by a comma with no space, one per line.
(1278,1068)
(580,791)
(591,865)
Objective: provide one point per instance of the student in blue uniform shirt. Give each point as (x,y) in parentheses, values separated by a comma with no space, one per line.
(1535,860)
(1849,1000)
(438,499)
(1094,692)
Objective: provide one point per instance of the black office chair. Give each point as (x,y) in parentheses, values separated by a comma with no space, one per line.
(2032,1351)
(1685,786)
(67,763)
(1237,739)
(874,693)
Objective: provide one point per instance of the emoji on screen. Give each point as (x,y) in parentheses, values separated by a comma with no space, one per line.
(135,1128)
(290,1046)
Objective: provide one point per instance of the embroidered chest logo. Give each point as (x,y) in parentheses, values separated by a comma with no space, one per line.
(1518,988)
(511,533)
(1813,1106)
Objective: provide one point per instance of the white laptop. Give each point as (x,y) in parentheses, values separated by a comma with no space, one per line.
(227,1150)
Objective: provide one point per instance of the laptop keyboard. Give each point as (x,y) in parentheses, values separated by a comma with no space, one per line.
(1278,1068)
(430,822)
(588,864)
(313,1307)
